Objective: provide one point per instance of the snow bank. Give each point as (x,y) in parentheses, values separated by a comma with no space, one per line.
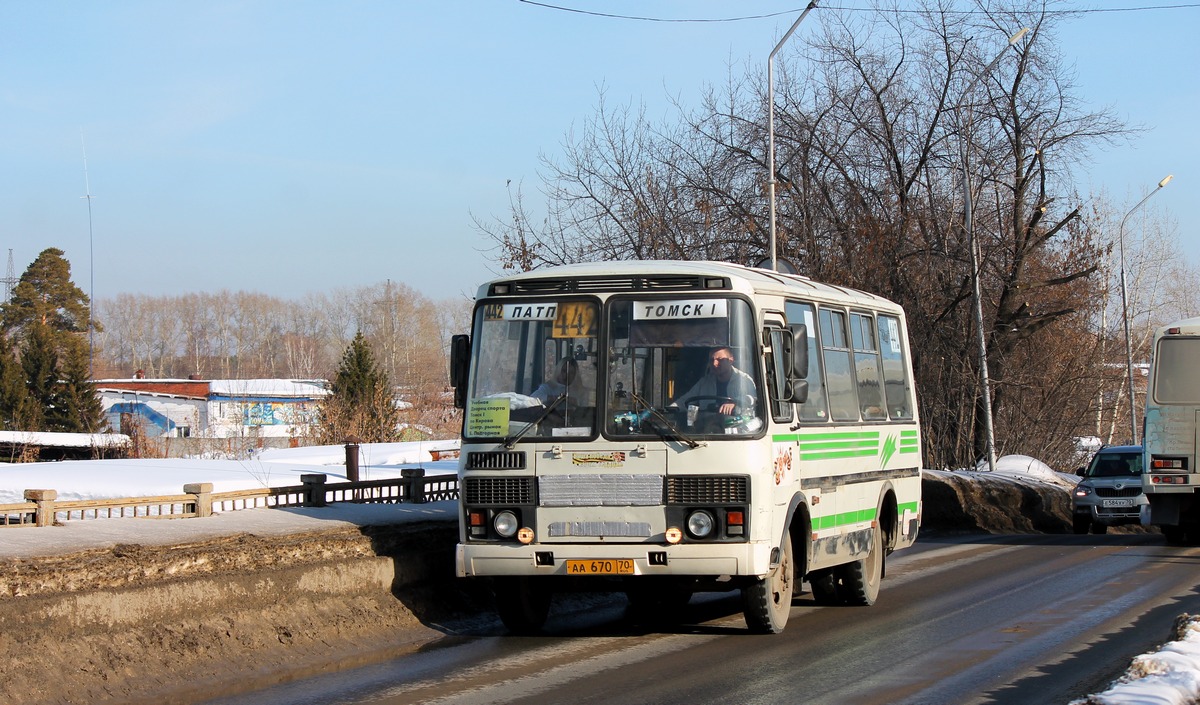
(1024,468)
(1169,676)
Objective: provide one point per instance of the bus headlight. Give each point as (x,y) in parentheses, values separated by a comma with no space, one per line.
(505,524)
(700,524)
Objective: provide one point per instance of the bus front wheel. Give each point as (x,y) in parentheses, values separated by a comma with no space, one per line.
(523,603)
(768,602)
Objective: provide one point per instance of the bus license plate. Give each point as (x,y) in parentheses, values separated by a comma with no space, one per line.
(1117,502)
(601,566)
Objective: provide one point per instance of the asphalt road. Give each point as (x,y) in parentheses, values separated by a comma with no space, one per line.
(985,619)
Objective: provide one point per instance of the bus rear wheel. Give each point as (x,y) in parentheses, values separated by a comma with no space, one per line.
(767,602)
(860,579)
(824,587)
(523,603)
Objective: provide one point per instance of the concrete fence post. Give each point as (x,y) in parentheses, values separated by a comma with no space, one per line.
(202,492)
(414,484)
(314,489)
(45,505)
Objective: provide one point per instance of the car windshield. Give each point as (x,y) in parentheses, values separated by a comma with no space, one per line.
(1115,465)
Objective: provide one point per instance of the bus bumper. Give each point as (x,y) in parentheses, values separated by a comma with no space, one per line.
(710,560)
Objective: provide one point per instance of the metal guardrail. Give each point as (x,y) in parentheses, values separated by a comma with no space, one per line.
(43,508)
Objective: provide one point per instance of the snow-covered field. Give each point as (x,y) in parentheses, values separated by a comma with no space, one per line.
(106,479)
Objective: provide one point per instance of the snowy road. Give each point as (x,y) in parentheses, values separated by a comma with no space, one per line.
(996,619)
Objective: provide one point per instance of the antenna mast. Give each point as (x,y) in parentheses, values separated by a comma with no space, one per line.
(91,258)
(10,281)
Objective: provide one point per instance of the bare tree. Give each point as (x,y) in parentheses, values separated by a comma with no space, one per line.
(874,119)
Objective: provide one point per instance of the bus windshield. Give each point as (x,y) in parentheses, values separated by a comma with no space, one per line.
(684,366)
(535,371)
(1177,376)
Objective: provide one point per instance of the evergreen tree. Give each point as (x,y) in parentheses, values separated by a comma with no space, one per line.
(17,411)
(45,294)
(361,401)
(47,316)
(75,406)
(39,362)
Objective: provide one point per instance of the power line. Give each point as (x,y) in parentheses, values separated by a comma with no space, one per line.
(741,18)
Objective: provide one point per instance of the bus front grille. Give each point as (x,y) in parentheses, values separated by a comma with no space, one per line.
(498,491)
(496,460)
(597,490)
(707,489)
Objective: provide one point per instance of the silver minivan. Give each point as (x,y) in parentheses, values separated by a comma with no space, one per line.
(1110,491)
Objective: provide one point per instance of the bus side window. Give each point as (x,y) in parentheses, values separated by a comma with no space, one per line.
(815,409)
(843,400)
(897,388)
(866,367)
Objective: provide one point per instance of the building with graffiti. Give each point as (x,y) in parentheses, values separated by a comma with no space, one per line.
(216,408)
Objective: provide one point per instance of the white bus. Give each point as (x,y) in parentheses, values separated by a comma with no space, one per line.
(1171,433)
(662,428)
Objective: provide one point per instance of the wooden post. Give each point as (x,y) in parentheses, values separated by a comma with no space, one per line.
(45,505)
(314,489)
(202,491)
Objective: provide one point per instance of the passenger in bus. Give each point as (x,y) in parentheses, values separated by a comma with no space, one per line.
(565,381)
(724,380)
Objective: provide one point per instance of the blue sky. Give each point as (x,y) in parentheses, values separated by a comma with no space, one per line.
(289,146)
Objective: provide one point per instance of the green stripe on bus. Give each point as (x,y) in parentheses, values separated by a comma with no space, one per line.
(846,435)
(832,455)
(837,445)
(833,521)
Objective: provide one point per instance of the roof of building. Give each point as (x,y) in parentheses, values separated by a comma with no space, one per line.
(220,388)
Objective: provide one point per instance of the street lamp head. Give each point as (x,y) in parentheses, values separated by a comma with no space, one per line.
(1166,181)
(1017,37)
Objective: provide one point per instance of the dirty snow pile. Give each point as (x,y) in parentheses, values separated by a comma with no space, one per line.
(1022,468)
(1169,676)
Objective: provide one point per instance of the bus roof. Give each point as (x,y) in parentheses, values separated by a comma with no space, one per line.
(667,276)
(1187,326)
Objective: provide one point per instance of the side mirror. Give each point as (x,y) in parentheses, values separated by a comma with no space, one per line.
(799,391)
(799,352)
(460,361)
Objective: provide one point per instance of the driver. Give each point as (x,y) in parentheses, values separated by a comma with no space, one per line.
(565,381)
(723,379)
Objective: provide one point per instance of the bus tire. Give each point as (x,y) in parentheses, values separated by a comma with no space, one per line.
(860,579)
(767,602)
(824,587)
(523,603)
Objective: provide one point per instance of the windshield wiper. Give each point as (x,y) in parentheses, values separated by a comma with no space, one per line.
(675,434)
(510,441)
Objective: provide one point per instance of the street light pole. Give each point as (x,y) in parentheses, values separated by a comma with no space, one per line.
(771,123)
(969,225)
(1125,311)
